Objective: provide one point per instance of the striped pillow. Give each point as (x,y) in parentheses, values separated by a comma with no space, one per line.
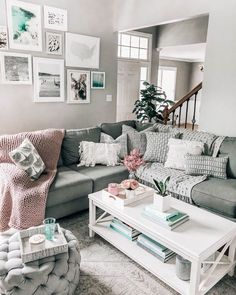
(206,165)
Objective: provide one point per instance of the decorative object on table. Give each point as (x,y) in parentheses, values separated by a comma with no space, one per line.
(132,162)
(26,157)
(55,18)
(37,242)
(24,25)
(82,51)
(3,38)
(48,80)
(16,68)
(162,196)
(113,188)
(98,80)
(124,229)
(183,268)
(51,247)
(54,43)
(159,251)
(130,185)
(152,104)
(78,86)
(50,226)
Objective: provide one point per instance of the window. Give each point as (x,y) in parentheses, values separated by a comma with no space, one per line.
(167,80)
(143,76)
(134,45)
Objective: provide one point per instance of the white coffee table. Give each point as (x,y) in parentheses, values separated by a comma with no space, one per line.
(196,240)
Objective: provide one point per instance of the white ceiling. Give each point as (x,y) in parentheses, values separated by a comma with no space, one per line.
(189,53)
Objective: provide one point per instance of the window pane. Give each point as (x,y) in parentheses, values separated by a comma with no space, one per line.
(144,42)
(143,54)
(125,51)
(134,53)
(134,41)
(168,83)
(118,51)
(125,39)
(159,78)
(143,73)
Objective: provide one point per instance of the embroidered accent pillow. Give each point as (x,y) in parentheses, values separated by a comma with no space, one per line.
(206,165)
(92,153)
(27,158)
(178,149)
(136,140)
(157,145)
(121,140)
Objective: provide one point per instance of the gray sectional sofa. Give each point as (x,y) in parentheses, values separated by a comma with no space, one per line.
(69,192)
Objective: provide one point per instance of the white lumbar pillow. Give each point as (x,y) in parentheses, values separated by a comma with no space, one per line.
(92,153)
(178,149)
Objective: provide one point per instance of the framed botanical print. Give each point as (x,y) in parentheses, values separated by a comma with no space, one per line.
(48,80)
(55,18)
(78,86)
(54,43)
(24,25)
(98,80)
(16,68)
(3,38)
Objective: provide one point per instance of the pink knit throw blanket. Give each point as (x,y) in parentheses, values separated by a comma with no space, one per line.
(22,201)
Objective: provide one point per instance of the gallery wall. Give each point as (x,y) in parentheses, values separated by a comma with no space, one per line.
(20,113)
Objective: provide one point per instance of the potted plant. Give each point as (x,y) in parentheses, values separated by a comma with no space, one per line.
(161,195)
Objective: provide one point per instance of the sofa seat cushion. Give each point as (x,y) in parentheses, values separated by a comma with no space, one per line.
(218,195)
(67,186)
(102,175)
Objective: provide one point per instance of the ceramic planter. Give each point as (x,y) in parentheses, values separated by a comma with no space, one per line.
(162,203)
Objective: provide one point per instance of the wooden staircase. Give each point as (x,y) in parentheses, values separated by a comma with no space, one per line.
(174,113)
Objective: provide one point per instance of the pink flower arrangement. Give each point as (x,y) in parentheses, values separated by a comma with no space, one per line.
(133,161)
(129,184)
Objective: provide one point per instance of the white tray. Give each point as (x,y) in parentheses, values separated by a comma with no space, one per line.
(56,246)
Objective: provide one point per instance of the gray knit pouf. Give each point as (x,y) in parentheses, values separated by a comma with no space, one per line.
(55,275)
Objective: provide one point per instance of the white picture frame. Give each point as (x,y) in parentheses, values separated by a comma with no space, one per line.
(49,83)
(16,68)
(82,51)
(98,80)
(54,43)
(55,18)
(76,93)
(3,38)
(27,36)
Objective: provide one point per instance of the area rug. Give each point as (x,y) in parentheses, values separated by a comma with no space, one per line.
(107,271)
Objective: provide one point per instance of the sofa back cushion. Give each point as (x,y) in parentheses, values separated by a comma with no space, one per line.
(115,129)
(228,148)
(71,142)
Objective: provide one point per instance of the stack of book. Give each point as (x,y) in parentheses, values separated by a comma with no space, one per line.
(153,247)
(169,219)
(124,229)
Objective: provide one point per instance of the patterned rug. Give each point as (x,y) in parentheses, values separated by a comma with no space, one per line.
(107,271)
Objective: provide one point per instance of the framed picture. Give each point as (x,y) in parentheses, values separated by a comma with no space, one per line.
(3,38)
(54,43)
(55,18)
(82,51)
(78,86)
(24,25)
(98,80)
(48,80)
(16,68)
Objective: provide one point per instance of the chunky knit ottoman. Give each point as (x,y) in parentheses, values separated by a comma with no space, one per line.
(55,275)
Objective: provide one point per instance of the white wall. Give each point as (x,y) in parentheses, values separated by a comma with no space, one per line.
(218,105)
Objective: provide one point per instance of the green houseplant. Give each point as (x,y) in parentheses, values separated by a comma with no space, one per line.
(151,105)
(162,196)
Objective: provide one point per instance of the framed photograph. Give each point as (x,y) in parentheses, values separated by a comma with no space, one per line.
(48,80)
(98,80)
(82,51)
(16,68)
(78,86)
(55,18)
(24,25)
(54,43)
(3,38)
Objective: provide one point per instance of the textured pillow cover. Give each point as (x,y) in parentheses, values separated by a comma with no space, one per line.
(136,140)
(178,149)
(27,158)
(98,153)
(157,145)
(206,165)
(121,140)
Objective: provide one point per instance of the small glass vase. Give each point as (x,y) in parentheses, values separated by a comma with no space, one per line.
(132,175)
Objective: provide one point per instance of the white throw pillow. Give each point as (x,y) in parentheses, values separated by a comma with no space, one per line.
(121,140)
(92,153)
(178,149)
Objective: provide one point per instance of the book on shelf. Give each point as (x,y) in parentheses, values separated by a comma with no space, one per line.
(124,229)
(152,209)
